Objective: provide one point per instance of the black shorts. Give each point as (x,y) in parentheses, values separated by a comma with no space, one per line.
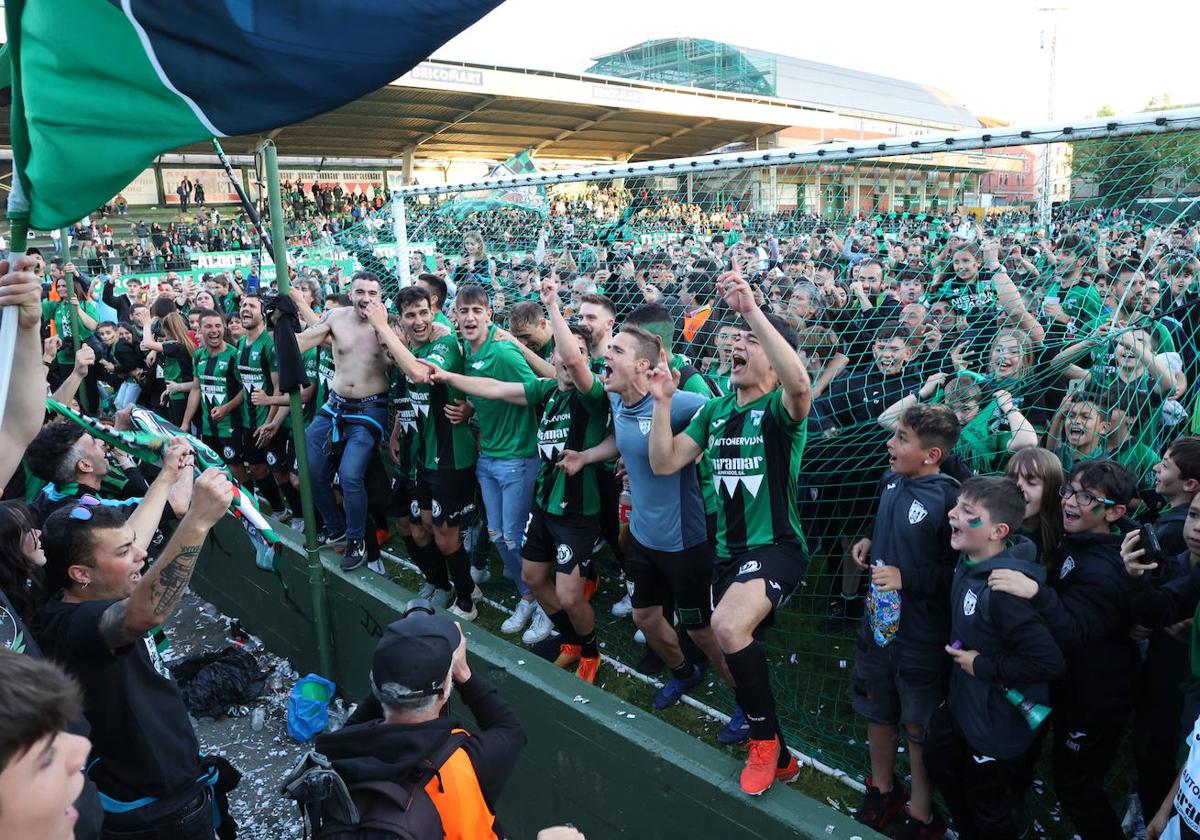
(685,577)
(402,503)
(278,455)
(228,449)
(780,566)
(566,541)
(889,690)
(449,495)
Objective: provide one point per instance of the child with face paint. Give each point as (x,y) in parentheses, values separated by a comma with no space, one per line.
(1039,474)
(978,739)
(1089,610)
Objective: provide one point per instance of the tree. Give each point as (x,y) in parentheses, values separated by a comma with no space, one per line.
(1128,168)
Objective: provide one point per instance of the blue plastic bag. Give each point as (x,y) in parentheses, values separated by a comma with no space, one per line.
(308,707)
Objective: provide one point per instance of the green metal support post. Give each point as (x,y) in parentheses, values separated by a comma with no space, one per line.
(76,338)
(316,572)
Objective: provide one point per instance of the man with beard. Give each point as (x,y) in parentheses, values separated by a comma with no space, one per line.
(216,394)
(348,428)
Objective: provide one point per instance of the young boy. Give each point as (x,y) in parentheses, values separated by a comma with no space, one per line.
(1088,609)
(978,739)
(899,669)
(1176,479)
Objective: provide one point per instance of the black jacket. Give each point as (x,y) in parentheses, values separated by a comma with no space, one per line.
(912,533)
(1169,530)
(377,751)
(1090,612)
(1016,651)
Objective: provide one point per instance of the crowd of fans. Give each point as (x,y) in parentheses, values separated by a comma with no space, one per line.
(981,428)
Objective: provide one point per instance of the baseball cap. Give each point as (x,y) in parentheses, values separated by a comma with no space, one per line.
(415,652)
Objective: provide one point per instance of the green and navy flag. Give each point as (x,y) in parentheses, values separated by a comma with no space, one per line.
(101,87)
(529,198)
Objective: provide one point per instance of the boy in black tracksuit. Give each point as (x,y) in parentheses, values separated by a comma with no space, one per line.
(1177,480)
(1166,593)
(899,668)
(1089,611)
(977,740)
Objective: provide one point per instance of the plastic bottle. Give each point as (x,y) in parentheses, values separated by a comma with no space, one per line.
(258,718)
(624,502)
(884,609)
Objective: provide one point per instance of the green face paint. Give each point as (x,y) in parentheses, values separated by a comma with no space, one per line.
(975,521)
(1097,508)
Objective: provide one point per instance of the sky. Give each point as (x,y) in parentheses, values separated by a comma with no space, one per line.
(989,56)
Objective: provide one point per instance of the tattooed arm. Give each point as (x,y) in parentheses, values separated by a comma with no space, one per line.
(160,589)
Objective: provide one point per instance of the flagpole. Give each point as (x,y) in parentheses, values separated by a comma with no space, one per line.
(316,572)
(72,292)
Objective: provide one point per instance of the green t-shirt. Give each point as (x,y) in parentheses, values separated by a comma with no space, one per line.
(60,313)
(219,384)
(755,452)
(570,420)
(324,375)
(694,381)
(312,369)
(255,361)
(1081,303)
(983,442)
(505,430)
(175,365)
(440,318)
(440,443)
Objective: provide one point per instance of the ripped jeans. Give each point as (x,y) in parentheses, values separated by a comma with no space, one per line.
(507,486)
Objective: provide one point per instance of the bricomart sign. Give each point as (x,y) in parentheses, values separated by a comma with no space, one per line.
(428,72)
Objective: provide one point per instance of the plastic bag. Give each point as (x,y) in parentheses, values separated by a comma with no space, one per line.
(212,682)
(308,707)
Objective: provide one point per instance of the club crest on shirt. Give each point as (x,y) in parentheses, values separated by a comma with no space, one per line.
(1068,566)
(644,424)
(916,512)
(756,417)
(969,602)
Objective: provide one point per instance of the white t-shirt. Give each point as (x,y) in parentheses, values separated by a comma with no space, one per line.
(1185,821)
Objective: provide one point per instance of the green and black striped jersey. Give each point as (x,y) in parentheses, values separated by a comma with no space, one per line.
(255,361)
(570,420)
(440,443)
(401,409)
(754,451)
(324,376)
(219,384)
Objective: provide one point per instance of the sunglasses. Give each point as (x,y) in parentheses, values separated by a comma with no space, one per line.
(1085,498)
(83,508)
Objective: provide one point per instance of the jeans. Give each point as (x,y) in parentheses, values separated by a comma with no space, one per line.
(360,424)
(507,486)
(128,394)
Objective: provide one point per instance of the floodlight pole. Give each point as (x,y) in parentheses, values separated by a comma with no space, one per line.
(400,228)
(1044,196)
(316,571)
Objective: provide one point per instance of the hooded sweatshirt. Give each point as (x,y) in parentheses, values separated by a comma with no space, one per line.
(1089,610)
(1016,651)
(912,532)
(378,751)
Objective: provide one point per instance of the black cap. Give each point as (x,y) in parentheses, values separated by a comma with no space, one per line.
(415,652)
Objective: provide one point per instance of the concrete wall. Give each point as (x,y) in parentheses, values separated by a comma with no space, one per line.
(586,763)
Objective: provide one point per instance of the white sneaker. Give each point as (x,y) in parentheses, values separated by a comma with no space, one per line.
(461,614)
(623,607)
(539,629)
(376,566)
(639,637)
(442,598)
(481,575)
(521,616)
(426,591)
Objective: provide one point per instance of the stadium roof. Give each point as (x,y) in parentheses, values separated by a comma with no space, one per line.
(702,63)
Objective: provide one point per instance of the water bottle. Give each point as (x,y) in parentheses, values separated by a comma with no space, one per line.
(624,502)
(258,718)
(884,609)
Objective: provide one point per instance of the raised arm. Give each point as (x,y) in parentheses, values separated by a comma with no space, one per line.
(1023,433)
(793,377)
(668,453)
(1009,296)
(536,363)
(565,344)
(317,333)
(26,407)
(377,317)
(159,590)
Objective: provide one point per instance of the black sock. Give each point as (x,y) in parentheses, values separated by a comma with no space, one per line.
(410,546)
(460,573)
(292,495)
(684,671)
(270,492)
(433,566)
(784,755)
(748,667)
(588,645)
(566,630)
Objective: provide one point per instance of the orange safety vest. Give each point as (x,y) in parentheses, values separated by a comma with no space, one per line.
(459,800)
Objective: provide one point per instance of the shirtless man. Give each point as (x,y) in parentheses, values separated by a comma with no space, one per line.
(349,427)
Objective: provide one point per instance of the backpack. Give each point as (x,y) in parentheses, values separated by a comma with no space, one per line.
(397,809)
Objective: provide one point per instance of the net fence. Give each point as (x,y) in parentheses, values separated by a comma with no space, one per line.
(1040,282)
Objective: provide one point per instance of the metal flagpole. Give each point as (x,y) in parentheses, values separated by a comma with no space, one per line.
(316,572)
(72,292)
(19,237)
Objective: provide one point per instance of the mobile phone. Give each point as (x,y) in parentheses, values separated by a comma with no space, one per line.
(1154,553)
